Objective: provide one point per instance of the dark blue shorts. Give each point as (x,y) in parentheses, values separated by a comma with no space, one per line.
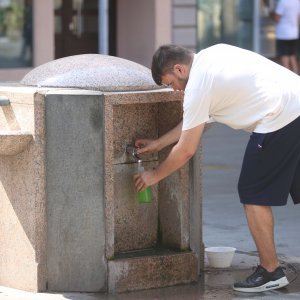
(271,167)
(286,47)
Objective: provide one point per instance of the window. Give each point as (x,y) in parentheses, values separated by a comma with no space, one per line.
(241,23)
(16,33)
(225,21)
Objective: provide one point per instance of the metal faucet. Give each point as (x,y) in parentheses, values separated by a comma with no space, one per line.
(133,151)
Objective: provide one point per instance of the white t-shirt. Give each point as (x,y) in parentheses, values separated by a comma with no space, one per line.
(241,89)
(288,26)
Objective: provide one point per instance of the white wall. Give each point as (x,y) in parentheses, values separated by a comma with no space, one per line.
(142,25)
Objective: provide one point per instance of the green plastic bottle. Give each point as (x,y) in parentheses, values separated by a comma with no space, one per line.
(146,195)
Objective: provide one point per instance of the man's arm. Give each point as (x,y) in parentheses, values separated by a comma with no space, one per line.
(179,155)
(275,17)
(170,137)
(150,146)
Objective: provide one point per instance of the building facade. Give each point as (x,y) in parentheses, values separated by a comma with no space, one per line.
(33,32)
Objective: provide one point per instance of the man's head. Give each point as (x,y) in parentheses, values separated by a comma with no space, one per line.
(171,66)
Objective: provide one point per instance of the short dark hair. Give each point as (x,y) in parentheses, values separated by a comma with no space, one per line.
(165,57)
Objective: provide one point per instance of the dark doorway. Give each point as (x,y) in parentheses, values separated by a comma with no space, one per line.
(76,27)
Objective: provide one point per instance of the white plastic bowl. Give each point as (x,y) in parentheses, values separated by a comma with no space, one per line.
(220,257)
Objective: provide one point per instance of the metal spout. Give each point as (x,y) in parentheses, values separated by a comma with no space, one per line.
(4,101)
(133,151)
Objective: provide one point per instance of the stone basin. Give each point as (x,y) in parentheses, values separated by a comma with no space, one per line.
(14,142)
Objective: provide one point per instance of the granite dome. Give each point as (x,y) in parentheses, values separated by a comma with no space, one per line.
(92,71)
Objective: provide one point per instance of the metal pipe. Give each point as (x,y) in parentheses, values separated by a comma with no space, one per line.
(103,27)
(256,26)
(4,101)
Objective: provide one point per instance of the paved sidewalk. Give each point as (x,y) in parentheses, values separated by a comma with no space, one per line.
(213,284)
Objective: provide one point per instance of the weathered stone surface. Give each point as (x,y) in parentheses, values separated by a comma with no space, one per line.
(74,189)
(68,198)
(129,274)
(92,71)
(14,142)
(21,207)
(135,223)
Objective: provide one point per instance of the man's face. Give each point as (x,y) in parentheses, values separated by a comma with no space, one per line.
(176,79)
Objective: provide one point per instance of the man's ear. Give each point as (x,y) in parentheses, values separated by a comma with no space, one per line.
(179,70)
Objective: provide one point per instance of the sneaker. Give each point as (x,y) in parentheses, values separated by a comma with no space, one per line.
(262,280)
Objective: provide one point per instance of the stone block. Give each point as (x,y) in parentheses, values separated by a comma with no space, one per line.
(69,218)
(152,271)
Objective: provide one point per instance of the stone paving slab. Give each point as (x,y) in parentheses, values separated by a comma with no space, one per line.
(214,284)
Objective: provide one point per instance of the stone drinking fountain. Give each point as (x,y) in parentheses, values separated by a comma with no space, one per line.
(69,218)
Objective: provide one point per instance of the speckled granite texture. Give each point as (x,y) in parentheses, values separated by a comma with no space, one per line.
(92,71)
(22,192)
(66,183)
(152,271)
(129,227)
(12,143)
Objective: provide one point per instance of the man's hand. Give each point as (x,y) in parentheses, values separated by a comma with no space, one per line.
(144,179)
(179,155)
(147,146)
(155,145)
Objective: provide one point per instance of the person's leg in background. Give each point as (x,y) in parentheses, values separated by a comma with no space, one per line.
(284,61)
(287,54)
(294,64)
(292,45)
